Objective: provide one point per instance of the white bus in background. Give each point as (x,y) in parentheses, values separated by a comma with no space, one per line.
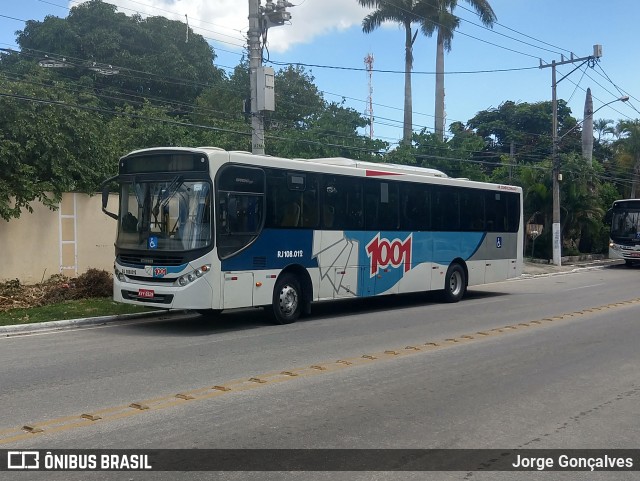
(624,233)
(207,229)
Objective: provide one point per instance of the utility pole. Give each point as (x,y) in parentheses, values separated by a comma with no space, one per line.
(512,156)
(557,176)
(260,19)
(255,61)
(587,129)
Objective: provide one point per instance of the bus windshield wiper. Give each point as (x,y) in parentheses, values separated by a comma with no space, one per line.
(165,197)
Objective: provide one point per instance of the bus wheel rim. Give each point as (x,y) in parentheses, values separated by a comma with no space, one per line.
(288,300)
(455,283)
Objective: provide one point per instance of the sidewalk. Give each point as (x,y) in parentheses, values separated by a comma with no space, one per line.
(536,267)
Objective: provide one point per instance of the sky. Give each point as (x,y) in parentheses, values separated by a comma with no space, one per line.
(485,67)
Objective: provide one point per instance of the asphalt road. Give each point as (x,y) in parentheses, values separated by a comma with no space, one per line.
(545,362)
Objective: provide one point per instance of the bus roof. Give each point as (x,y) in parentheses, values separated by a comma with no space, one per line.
(626,204)
(392,168)
(367,169)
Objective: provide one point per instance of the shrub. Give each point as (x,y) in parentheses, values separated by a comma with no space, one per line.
(93,283)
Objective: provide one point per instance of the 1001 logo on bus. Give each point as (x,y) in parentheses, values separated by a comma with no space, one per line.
(383,253)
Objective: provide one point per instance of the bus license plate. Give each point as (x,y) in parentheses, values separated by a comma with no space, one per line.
(634,254)
(146,293)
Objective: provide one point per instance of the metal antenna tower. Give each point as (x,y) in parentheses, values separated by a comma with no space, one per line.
(368,61)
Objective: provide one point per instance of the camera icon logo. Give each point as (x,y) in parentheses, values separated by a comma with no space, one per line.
(23,460)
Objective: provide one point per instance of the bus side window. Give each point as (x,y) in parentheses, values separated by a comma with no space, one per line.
(415,208)
(328,216)
(472,210)
(381,200)
(496,211)
(446,209)
(309,217)
(290,215)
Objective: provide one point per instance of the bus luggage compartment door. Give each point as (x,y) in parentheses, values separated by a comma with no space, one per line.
(345,281)
(238,289)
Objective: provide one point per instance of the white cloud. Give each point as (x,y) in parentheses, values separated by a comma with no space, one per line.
(226,20)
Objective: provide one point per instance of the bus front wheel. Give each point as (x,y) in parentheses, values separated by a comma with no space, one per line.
(287,300)
(455,283)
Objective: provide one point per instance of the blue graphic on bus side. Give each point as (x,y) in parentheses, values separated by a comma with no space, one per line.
(382,258)
(387,256)
(152,242)
(275,249)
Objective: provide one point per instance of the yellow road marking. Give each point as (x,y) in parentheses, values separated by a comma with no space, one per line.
(28,431)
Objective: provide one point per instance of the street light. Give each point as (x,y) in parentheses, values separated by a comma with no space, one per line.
(556,234)
(624,98)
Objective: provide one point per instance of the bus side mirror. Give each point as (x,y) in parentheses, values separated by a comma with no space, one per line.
(105,197)
(608,216)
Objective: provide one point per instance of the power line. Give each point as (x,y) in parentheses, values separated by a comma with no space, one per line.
(298,140)
(517,31)
(622,92)
(360,69)
(462,33)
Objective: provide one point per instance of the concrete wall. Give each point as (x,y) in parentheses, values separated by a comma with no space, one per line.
(68,241)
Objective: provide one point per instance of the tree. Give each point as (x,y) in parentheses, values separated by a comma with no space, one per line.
(528,126)
(456,158)
(445,23)
(298,99)
(51,142)
(603,146)
(151,55)
(304,125)
(332,132)
(628,147)
(405,13)
(581,208)
(603,127)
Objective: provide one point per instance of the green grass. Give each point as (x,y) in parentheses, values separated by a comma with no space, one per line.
(68,310)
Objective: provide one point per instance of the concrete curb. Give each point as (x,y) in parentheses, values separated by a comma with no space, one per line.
(21,329)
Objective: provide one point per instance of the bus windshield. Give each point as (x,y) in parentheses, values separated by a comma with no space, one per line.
(624,225)
(172,214)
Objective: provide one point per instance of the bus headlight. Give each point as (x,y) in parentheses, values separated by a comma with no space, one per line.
(193,275)
(121,277)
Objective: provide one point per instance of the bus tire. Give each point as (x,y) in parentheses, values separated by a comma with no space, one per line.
(455,283)
(287,300)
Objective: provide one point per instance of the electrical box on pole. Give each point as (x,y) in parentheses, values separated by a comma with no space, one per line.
(266,89)
(597,51)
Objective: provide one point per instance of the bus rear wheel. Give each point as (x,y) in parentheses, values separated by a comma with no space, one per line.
(455,283)
(287,300)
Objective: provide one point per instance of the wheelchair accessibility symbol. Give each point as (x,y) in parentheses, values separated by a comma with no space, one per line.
(498,242)
(152,242)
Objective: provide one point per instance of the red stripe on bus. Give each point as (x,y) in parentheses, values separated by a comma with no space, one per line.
(376,173)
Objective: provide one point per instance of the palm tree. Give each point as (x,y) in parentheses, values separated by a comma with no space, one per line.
(445,22)
(629,146)
(603,127)
(405,13)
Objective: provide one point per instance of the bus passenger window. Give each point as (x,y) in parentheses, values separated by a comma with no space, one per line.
(290,215)
(328,216)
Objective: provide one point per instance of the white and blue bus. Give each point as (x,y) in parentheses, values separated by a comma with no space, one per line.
(624,235)
(208,230)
